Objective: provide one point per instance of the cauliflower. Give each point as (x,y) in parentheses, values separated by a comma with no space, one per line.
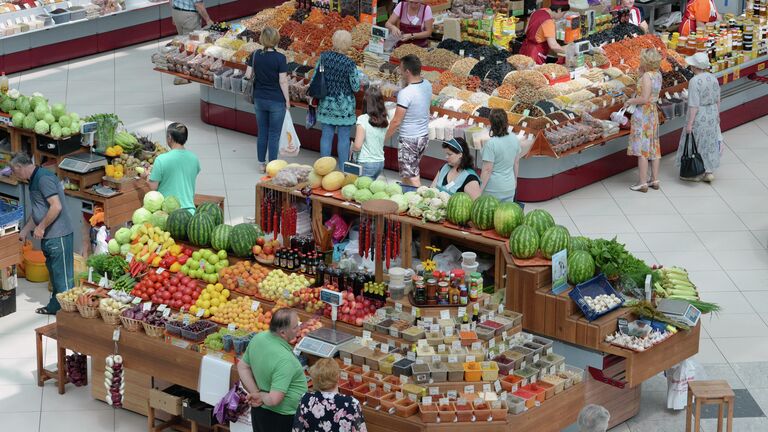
(13,94)
(414,200)
(425,192)
(415,211)
(444,197)
(435,203)
(432,215)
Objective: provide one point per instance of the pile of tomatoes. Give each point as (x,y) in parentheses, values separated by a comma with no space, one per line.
(172,289)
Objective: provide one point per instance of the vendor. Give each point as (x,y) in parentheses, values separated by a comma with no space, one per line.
(411,22)
(457,174)
(174,173)
(540,32)
(697,14)
(634,16)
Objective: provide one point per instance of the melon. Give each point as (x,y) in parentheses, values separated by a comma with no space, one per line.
(177,224)
(220,237)
(314,179)
(554,240)
(581,267)
(483,210)
(540,220)
(578,243)
(459,209)
(524,242)
(507,217)
(200,228)
(275,166)
(333,181)
(324,165)
(213,210)
(242,238)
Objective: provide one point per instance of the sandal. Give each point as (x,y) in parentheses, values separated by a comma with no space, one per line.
(44,311)
(643,187)
(654,185)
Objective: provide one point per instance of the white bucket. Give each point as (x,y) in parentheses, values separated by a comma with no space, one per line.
(397,276)
(468,258)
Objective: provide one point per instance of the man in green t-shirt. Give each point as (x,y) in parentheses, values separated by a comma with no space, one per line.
(272,375)
(174,173)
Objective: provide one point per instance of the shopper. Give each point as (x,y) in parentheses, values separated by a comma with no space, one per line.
(593,418)
(186,16)
(369,135)
(644,132)
(49,223)
(540,37)
(324,409)
(501,158)
(174,173)
(269,71)
(458,174)
(336,111)
(411,119)
(634,16)
(412,23)
(272,375)
(703,117)
(696,16)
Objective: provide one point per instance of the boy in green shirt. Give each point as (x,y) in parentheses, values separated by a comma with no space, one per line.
(175,173)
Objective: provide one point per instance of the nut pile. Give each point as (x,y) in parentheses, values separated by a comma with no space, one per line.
(440,58)
(464,66)
(526,78)
(553,70)
(407,49)
(521,62)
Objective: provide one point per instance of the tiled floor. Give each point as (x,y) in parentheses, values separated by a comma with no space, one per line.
(719,232)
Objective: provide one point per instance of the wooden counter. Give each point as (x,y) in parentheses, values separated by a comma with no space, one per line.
(10,250)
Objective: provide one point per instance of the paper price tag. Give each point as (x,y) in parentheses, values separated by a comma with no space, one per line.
(366,368)
(465,327)
(426,400)
(116,334)
(387,388)
(398,307)
(453,359)
(486,388)
(477,346)
(444,314)
(441,348)
(128,257)
(523,364)
(366,334)
(384,348)
(413,397)
(411,356)
(358,378)
(549,350)
(347,361)
(394,332)
(469,389)
(505,335)
(470,358)
(760,67)
(381,313)
(497,386)
(146,306)
(460,312)
(90,274)
(435,359)
(434,328)
(200,313)
(456,345)
(452,394)
(449,331)
(166,313)
(492,343)
(533,379)
(535,358)
(434,391)
(136,300)
(344,375)
(371,386)
(415,311)
(231,327)
(403,379)
(444,401)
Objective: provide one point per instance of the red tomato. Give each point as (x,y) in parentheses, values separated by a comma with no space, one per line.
(151,291)
(166,295)
(177,295)
(158,286)
(172,288)
(153,277)
(186,299)
(185,280)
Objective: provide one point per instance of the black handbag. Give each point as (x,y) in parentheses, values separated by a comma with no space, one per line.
(317,88)
(248,90)
(691,163)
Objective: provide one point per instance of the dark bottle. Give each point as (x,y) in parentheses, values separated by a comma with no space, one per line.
(335,274)
(420,293)
(290,261)
(359,282)
(303,263)
(475,313)
(279,258)
(320,272)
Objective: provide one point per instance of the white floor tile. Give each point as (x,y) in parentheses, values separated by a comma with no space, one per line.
(211,165)
(700,205)
(592,224)
(22,421)
(237,214)
(16,398)
(673,242)
(126,421)
(742,259)
(735,171)
(591,206)
(18,370)
(21,322)
(715,222)
(749,280)
(554,207)
(695,260)
(646,204)
(132,97)
(735,326)
(658,223)
(18,345)
(595,190)
(72,421)
(752,203)
(734,240)
(75,399)
(730,302)
(242,197)
(755,221)
(707,281)
(709,353)
(678,188)
(241,181)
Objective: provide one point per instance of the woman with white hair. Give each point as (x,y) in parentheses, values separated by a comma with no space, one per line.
(703,117)
(593,418)
(336,110)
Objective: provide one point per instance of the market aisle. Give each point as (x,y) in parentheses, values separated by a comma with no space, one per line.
(717,231)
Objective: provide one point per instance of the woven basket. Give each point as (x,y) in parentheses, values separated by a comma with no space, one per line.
(89,312)
(130,324)
(153,330)
(66,305)
(110,317)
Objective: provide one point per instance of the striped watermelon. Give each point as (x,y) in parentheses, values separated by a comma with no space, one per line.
(459,209)
(524,242)
(507,217)
(581,267)
(220,237)
(177,224)
(242,238)
(213,210)
(482,211)
(200,228)
(578,243)
(540,220)
(554,240)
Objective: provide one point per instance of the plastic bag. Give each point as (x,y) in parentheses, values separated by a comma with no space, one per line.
(232,405)
(338,226)
(289,141)
(678,377)
(101,241)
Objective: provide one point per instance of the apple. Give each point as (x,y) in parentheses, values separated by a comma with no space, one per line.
(197,255)
(222,254)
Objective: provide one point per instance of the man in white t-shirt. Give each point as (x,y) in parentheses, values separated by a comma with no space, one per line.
(411,119)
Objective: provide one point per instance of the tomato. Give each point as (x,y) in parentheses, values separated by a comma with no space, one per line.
(165,295)
(186,298)
(158,286)
(153,277)
(185,280)
(177,295)
(172,289)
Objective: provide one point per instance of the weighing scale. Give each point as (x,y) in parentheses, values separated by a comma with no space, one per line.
(680,311)
(84,163)
(574,53)
(325,342)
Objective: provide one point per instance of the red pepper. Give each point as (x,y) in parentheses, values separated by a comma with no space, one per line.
(388,243)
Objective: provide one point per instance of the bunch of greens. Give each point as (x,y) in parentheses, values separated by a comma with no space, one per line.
(112,265)
(613,259)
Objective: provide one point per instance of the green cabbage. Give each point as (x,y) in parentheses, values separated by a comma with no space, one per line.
(65,121)
(380,195)
(170,204)
(18,119)
(22,104)
(140,216)
(348,191)
(363,182)
(42,127)
(65,131)
(125,249)
(56,130)
(75,117)
(29,121)
(49,118)
(38,101)
(158,219)
(113,247)
(153,201)
(41,111)
(363,195)
(377,186)
(7,105)
(58,110)
(123,235)
(402,203)
(393,189)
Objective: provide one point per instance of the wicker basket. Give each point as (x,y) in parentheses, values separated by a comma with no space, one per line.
(89,312)
(153,330)
(66,305)
(130,324)
(110,317)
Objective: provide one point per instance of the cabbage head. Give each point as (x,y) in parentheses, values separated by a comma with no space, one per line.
(170,204)
(65,131)
(153,201)
(125,249)
(380,195)
(348,191)
(65,121)
(56,130)
(158,219)
(378,186)
(42,127)
(140,216)
(75,117)
(7,105)
(29,121)
(402,203)
(123,235)
(393,189)
(49,118)
(18,119)
(41,111)
(113,247)
(363,195)
(38,101)
(22,104)
(363,182)
(58,110)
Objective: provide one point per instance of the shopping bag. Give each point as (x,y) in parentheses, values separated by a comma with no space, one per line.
(691,163)
(317,87)
(248,90)
(678,377)
(311,117)
(620,118)
(289,141)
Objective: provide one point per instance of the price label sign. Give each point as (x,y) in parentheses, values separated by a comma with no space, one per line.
(441,348)
(486,388)
(255,305)
(231,327)
(434,391)
(497,386)
(166,313)
(444,314)
(398,307)
(449,331)
(461,311)
(435,359)
(492,343)
(366,334)
(200,312)
(426,400)
(470,358)
(456,345)
(403,379)
(469,389)
(146,306)
(347,361)
(366,368)
(453,359)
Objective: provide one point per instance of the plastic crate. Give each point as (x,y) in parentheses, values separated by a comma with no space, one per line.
(592,288)
(10,214)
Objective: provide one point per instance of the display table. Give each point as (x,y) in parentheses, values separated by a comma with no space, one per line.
(10,250)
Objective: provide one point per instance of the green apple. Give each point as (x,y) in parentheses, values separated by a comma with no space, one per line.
(212,259)
(185,270)
(196,255)
(193,264)
(222,254)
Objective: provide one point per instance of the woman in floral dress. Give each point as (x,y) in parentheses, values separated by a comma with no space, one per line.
(325,410)
(703,117)
(644,132)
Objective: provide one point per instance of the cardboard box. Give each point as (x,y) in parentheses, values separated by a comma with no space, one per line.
(171,399)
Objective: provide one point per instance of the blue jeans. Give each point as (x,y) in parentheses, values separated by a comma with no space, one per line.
(326,142)
(372,169)
(269,118)
(59,260)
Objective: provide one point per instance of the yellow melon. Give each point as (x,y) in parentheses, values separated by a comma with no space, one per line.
(314,179)
(333,181)
(325,165)
(275,166)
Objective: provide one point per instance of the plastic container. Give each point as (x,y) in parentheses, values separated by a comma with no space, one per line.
(481,410)
(464,411)
(413,334)
(359,356)
(468,337)
(209,327)
(527,374)
(447,413)
(527,396)
(510,383)
(506,323)
(420,373)
(383,326)
(455,372)
(494,325)
(557,382)
(490,371)
(370,377)
(526,352)
(596,286)
(405,408)
(438,371)
(472,372)
(388,401)
(346,350)
(393,381)
(517,357)
(429,413)
(34,264)
(449,340)
(515,405)
(373,398)
(556,359)
(434,338)
(77,13)
(371,322)
(506,365)
(549,388)
(347,387)
(402,367)
(516,317)
(468,258)
(485,333)
(536,348)
(567,380)
(539,391)
(373,360)
(60,17)
(545,343)
(499,410)
(425,351)
(576,374)
(544,367)
(414,389)
(385,364)
(361,391)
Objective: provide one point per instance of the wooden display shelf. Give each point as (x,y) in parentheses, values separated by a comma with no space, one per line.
(10,250)
(434,311)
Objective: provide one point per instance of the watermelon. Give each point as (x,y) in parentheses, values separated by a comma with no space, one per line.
(578,243)
(581,267)
(458,209)
(524,242)
(213,210)
(177,224)
(220,237)
(507,217)
(242,238)
(200,228)
(482,211)
(540,220)
(554,240)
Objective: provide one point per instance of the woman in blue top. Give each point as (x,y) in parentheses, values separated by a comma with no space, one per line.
(501,155)
(457,174)
(269,71)
(336,111)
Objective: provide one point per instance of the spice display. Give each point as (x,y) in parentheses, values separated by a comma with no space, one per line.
(506,91)
(528,109)
(498,72)
(451,79)
(521,62)
(464,66)
(440,58)
(500,103)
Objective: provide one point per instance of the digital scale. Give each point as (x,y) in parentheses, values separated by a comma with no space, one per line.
(574,53)
(680,311)
(84,163)
(325,342)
